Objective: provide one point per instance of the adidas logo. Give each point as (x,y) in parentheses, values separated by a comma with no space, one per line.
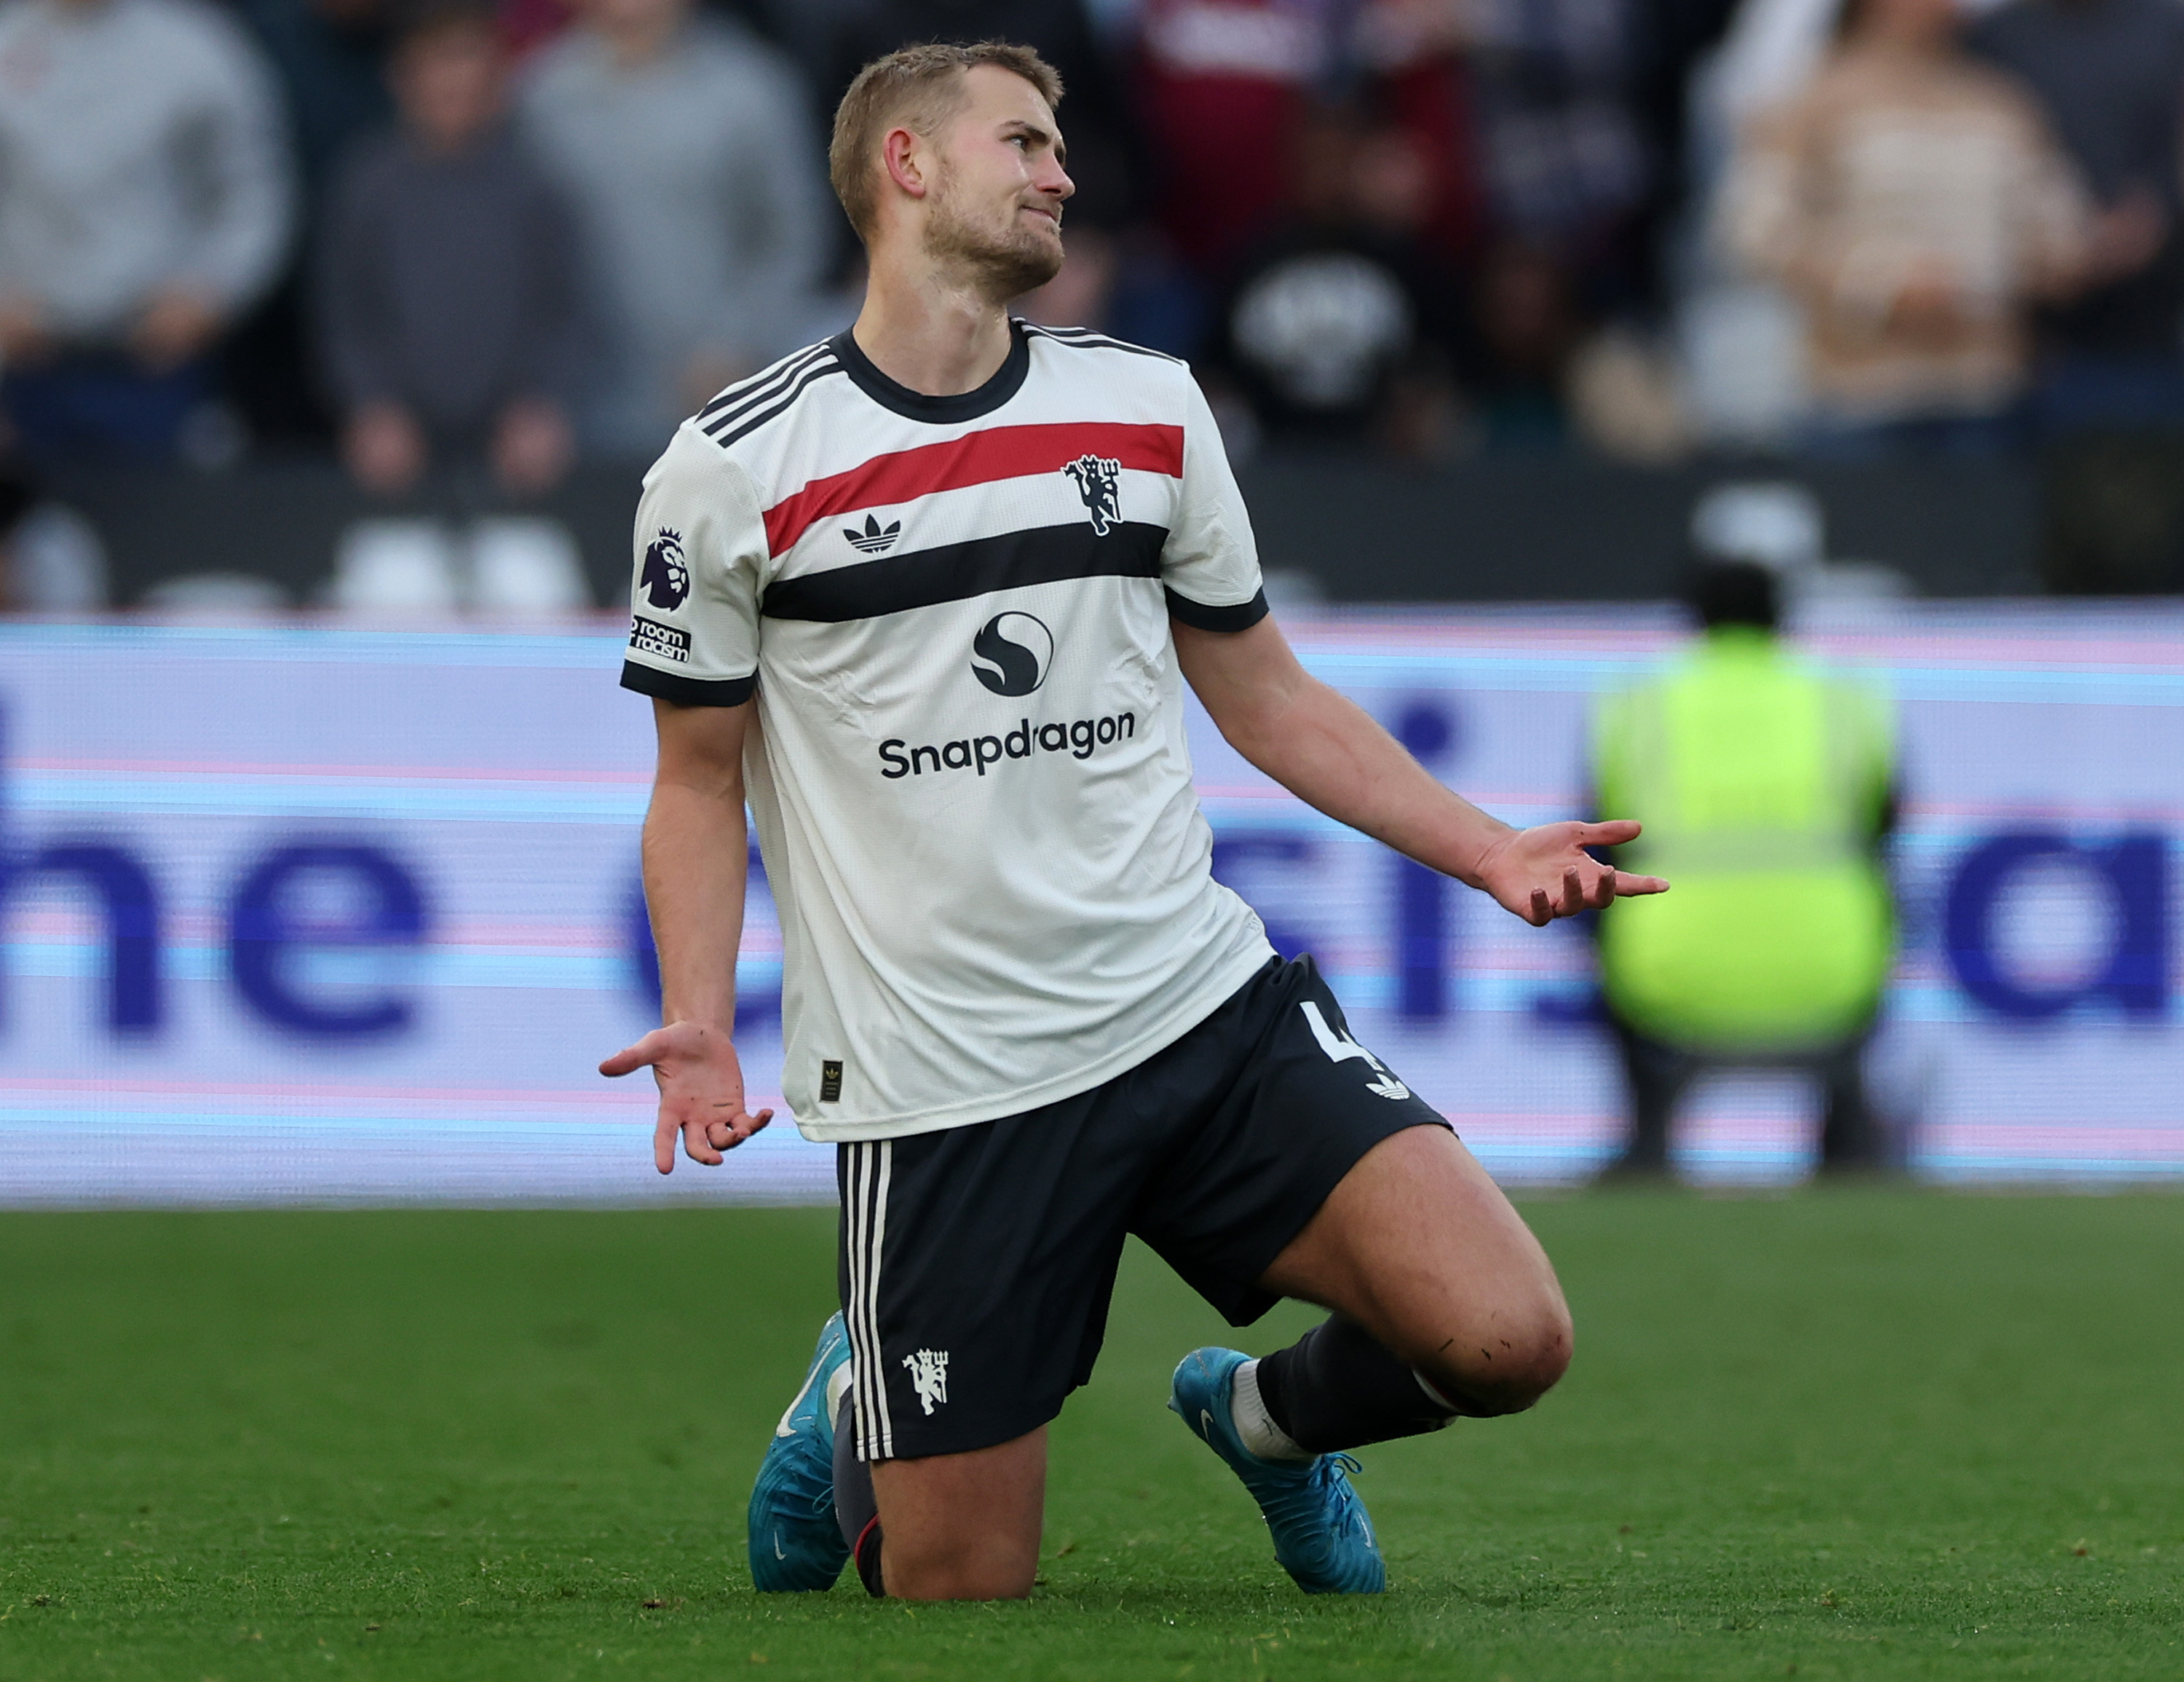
(875,538)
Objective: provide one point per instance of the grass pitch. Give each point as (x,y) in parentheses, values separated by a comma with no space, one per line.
(1854,1434)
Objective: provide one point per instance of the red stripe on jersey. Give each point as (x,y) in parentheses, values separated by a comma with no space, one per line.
(981,458)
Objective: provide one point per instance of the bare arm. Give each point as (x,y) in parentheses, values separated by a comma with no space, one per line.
(696,858)
(1327,751)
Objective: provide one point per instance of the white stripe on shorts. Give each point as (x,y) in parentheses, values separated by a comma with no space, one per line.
(853,1220)
(871,1167)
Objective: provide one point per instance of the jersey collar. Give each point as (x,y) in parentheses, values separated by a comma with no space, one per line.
(911,405)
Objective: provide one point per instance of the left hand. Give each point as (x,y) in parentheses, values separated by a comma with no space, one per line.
(175,326)
(701,1092)
(1544,873)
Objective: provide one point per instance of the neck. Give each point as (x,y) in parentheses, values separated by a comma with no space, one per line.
(934,334)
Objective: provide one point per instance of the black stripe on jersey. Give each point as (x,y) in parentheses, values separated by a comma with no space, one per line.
(688,692)
(743,429)
(1083,338)
(771,379)
(955,572)
(1241,617)
(757,396)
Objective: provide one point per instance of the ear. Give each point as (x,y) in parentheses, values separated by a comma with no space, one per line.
(907,162)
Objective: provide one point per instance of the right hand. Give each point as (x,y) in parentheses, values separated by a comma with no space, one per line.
(701,1092)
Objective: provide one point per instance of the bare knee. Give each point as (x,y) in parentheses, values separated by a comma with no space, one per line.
(953,1576)
(962,1527)
(1507,1367)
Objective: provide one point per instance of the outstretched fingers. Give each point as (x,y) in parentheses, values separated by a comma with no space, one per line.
(1617,883)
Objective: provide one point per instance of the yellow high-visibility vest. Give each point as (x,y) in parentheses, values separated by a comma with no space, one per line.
(1759,780)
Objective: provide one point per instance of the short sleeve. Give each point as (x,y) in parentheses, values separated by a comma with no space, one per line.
(700,556)
(1210,564)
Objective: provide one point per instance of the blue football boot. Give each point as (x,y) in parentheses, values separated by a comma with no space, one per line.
(1323,1537)
(795,1540)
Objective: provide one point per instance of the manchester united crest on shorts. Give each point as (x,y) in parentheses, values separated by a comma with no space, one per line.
(928,1373)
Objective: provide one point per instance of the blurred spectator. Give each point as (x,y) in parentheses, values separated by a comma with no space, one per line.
(330,56)
(449,288)
(1337,327)
(1059,30)
(1223,86)
(1414,54)
(689,154)
(1917,204)
(1524,328)
(1742,336)
(1766,787)
(2111,75)
(144,199)
(806,29)
(1675,44)
(1564,162)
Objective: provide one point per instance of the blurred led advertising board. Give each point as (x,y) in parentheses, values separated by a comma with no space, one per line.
(314,915)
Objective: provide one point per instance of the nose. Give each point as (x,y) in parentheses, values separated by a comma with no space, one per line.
(1052,178)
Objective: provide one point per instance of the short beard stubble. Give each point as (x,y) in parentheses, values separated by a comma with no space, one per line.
(1000,267)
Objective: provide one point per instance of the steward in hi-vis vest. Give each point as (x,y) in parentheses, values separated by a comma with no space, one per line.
(1765,785)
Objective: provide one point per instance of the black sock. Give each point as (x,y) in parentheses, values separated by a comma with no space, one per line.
(1335,1388)
(855,1507)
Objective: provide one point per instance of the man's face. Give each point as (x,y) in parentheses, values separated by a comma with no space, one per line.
(450,85)
(999,186)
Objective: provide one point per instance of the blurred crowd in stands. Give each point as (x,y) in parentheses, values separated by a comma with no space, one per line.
(504,236)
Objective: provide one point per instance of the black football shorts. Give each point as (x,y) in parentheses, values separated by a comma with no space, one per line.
(977,1262)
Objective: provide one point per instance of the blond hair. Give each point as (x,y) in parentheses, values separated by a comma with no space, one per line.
(917,88)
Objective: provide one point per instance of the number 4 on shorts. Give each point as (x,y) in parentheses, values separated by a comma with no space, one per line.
(1341,1048)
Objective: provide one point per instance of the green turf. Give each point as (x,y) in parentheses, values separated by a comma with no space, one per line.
(1855,1435)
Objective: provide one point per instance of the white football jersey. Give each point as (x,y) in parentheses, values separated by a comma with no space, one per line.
(970,777)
